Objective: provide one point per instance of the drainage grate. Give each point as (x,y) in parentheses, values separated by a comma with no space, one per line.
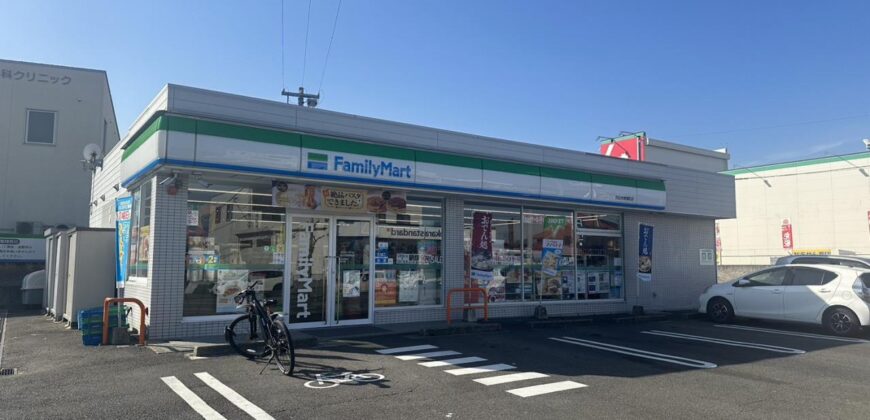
(8,371)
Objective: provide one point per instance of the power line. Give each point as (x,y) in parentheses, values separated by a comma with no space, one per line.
(305,56)
(329,48)
(847,117)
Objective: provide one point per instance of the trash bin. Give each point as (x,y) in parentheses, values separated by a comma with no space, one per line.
(32,287)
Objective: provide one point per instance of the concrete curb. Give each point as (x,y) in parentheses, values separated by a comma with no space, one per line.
(224,349)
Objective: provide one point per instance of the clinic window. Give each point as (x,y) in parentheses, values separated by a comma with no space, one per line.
(41,127)
(408,255)
(235,236)
(140,231)
(599,255)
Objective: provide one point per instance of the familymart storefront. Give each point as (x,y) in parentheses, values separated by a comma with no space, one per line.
(348,220)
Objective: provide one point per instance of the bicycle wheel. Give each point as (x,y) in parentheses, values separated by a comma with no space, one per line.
(285,355)
(238,335)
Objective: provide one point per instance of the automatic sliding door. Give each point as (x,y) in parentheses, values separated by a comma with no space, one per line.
(353,253)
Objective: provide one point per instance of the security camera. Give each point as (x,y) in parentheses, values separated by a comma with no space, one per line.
(867,144)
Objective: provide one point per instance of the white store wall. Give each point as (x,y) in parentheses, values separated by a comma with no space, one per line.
(826,200)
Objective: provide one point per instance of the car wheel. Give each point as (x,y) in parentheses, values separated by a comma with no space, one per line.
(720,310)
(841,321)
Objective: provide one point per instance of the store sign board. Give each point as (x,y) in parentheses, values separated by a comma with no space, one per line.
(614,193)
(630,147)
(21,248)
(357,166)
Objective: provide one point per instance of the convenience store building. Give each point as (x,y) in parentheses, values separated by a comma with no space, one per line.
(353,220)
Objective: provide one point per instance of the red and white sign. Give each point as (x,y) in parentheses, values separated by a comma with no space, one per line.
(787,236)
(631,147)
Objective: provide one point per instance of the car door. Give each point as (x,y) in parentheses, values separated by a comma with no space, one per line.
(807,293)
(760,295)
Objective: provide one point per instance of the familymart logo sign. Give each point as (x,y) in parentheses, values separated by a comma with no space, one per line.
(362,166)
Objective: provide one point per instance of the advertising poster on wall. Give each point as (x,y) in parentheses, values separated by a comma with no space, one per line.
(342,199)
(386,289)
(551,254)
(409,283)
(350,283)
(228,284)
(645,261)
(123,211)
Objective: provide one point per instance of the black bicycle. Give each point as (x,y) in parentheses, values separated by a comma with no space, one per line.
(260,332)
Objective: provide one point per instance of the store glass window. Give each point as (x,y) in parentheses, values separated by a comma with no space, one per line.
(599,255)
(408,255)
(493,251)
(548,254)
(140,231)
(234,236)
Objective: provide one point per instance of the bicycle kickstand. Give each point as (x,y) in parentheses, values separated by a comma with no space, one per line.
(268,362)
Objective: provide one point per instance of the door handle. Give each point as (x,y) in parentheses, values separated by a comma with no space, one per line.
(776,291)
(824,290)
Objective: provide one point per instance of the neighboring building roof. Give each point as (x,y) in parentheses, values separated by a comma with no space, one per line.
(2,60)
(797,163)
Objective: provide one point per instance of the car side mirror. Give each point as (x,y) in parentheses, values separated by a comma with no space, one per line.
(743,282)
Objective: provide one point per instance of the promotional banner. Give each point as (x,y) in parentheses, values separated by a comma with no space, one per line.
(550,256)
(481,253)
(123,211)
(787,235)
(645,261)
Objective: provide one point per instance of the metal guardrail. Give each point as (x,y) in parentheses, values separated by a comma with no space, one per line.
(465,305)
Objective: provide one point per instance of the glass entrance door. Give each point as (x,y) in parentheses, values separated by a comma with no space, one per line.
(329,269)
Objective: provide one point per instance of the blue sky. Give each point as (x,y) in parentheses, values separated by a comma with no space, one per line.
(770,80)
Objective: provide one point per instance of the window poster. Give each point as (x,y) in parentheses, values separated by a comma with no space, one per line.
(409,283)
(386,289)
(350,283)
(228,284)
(550,256)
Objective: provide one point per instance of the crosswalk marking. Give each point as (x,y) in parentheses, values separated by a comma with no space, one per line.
(513,377)
(234,397)
(480,369)
(531,391)
(406,349)
(450,362)
(429,355)
(196,403)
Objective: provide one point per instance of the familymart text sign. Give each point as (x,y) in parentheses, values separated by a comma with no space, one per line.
(357,166)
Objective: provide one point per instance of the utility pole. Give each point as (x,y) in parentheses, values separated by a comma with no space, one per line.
(301,97)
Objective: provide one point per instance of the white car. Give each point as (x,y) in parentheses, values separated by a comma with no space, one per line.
(837,297)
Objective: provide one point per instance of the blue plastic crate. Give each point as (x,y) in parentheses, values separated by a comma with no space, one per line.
(92,340)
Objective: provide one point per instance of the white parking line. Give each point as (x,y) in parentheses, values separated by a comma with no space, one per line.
(531,391)
(234,397)
(406,349)
(745,344)
(429,355)
(480,369)
(638,353)
(513,377)
(196,403)
(797,334)
(451,362)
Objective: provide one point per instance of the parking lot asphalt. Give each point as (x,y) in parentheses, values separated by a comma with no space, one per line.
(666,369)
